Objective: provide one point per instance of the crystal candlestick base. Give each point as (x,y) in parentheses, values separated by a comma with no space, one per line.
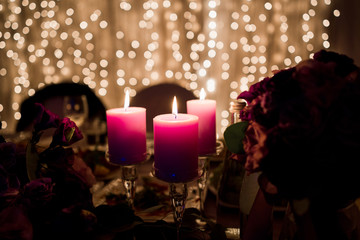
(128,177)
(204,165)
(178,192)
(178,195)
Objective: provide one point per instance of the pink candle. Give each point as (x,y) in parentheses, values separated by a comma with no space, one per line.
(205,109)
(126,134)
(175,147)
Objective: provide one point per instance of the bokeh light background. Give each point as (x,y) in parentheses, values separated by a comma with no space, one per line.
(223,46)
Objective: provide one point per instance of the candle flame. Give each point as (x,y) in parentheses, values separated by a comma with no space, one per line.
(174,108)
(127,100)
(202,94)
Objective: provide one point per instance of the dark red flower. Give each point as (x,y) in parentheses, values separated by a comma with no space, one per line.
(15,223)
(7,154)
(38,193)
(255,90)
(254,146)
(58,157)
(8,179)
(44,119)
(66,134)
(343,64)
(305,126)
(4,183)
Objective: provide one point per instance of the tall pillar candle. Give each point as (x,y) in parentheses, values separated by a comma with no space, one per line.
(175,147)
(126,135)
(205,109)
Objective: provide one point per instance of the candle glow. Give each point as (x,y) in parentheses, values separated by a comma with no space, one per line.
(174,107)
(127,100)
(202,94)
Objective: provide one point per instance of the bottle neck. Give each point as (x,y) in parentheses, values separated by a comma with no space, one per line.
(235,108)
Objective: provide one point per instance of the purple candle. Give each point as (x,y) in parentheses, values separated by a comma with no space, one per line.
(205,109)
(126,134)
(176,146)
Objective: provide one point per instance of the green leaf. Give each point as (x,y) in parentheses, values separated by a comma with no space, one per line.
(32,161)
(234,136)
(69,134)
(301,206)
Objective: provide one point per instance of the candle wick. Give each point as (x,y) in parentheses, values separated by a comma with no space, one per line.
(175,115)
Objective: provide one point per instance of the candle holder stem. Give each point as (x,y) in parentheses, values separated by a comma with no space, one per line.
(129,176)
(204,165)
(178,196)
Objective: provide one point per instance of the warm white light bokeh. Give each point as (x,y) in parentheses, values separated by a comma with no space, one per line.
(223,46)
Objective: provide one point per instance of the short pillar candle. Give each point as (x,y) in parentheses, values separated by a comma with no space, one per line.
(205,109)
(126,129)
(176,147)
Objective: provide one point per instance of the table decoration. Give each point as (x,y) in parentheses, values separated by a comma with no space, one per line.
(303,137)
(176,156)
(127,142)
(47,192)
(44,187)
(126,133)
(176,146)
(204,164)
(205,109)
(202,182)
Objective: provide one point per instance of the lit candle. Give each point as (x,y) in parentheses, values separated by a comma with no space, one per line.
(205,109)
(126,134)
(175,146)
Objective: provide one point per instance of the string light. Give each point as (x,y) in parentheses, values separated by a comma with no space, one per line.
(223,50)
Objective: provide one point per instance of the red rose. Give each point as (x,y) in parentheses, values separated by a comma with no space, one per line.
(15,223)
(44,119)
(38,192)
(254,146)
(7,154)
(66,134)
(305,126)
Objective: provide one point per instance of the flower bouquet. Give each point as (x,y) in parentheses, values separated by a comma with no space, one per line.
(301,130)
(46,193)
